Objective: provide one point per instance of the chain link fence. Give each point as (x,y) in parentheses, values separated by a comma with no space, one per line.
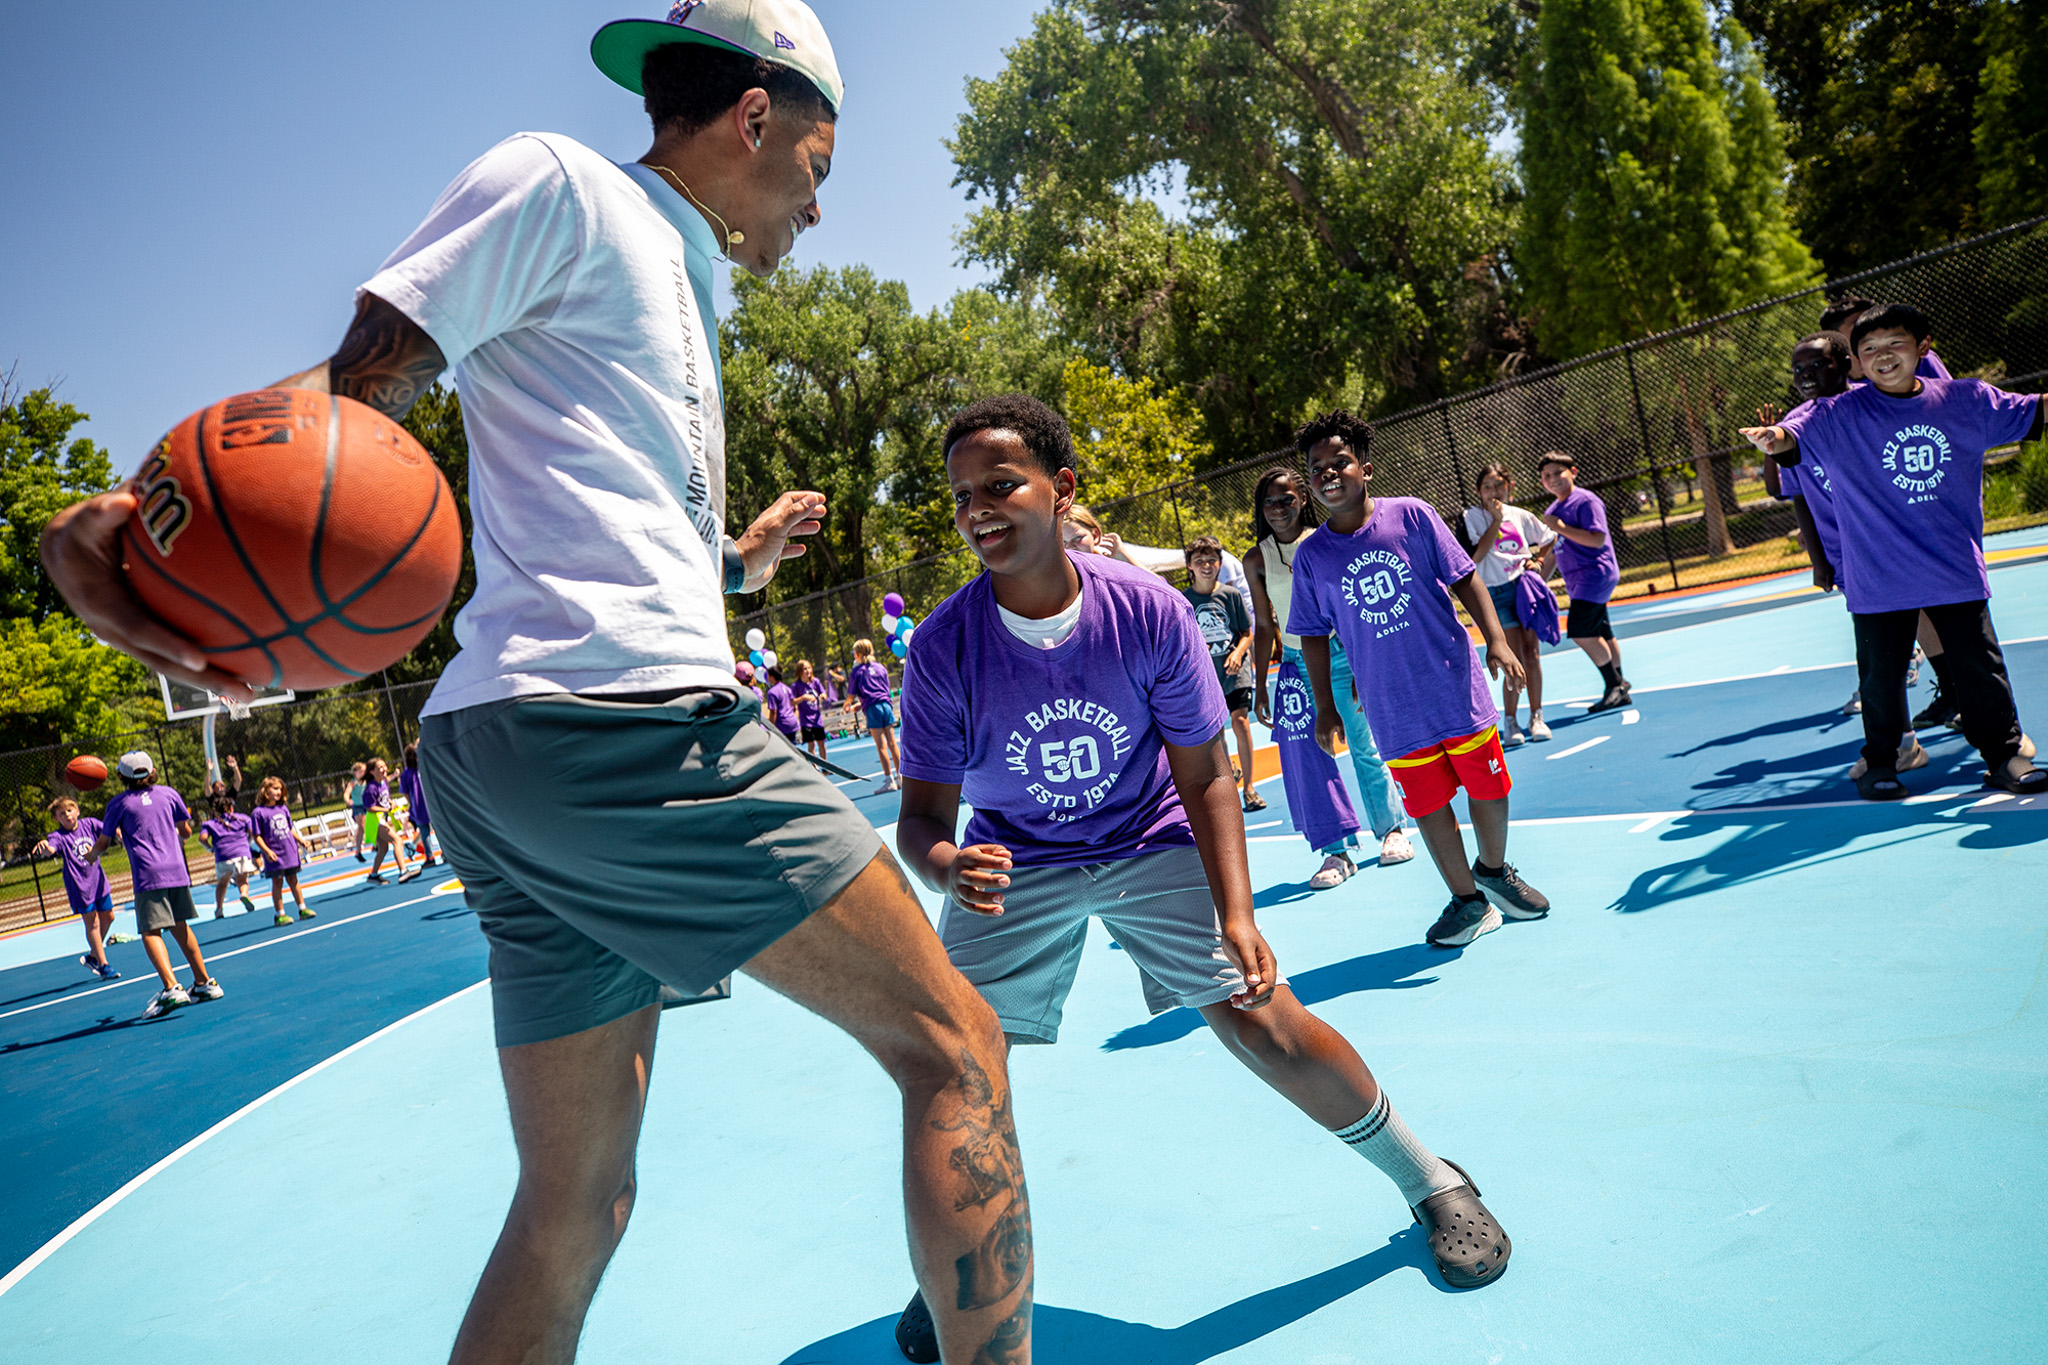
(1652,425)
(310,745)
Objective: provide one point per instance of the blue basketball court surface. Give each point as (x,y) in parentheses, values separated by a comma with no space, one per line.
(1769,1084)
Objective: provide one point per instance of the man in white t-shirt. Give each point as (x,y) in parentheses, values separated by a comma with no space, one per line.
(593,763)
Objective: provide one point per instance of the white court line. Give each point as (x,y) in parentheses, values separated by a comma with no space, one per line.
(1649,823)
(1578,748)
(1781,671)
(92,1215)
(139,979)
(1631,716)
(1265,824)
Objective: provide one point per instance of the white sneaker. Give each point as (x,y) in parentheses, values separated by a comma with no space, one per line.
(166,1001)
(1510,737)
(885,785)
(1538,731)
(1853,706)
(208,989)
(1396,848)
(1336,870)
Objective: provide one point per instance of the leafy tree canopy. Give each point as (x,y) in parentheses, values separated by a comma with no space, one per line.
(1347,216)
(58,683)
(2011,137)
(1127,437)
(42,471)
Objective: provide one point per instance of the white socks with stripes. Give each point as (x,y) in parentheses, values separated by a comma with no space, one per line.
(1381,1138)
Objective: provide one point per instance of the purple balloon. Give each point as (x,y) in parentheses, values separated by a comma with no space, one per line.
(892,603)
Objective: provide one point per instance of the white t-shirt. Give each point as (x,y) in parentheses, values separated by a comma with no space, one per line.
(580,330)
(1161,560)
(1050,633)
(1521,535)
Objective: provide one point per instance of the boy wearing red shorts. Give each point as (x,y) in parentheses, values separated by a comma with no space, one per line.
(1379,573)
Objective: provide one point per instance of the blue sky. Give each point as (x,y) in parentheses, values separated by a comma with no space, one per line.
(193,191)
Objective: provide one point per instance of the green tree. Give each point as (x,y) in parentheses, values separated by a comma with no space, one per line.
(1346,217)
(2011,136)
(57,683)
(436,423)
(1881,100)
(42,471)
(1128,437)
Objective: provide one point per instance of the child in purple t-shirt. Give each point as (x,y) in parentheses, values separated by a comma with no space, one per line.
(151,822)
(85,881)
(1585,556)
(1905,456)
(383,825)
(867,686)
(1379,573)
(780,706)
(1071,700)
(278,839)
(227,834)
(810,708)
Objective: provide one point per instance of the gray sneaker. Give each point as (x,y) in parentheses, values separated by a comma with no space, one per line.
(1515,897)
(1461,922)
(208,989)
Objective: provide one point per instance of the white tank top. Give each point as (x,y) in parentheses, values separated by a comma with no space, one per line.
(1279,563)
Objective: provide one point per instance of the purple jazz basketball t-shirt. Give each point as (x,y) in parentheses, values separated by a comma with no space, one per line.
(1907,476)
(1809,480)
(230,835)
(274,828)
(1383,591)
(147,820)
(84,882)
(1589,575)
(784,703)
(1061,751)
(809,699)
(869,682)
(376,794)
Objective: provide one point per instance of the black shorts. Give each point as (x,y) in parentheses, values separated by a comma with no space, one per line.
(1587,621)
(812,734)
(1238,699)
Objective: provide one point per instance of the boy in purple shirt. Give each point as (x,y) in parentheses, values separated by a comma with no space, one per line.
(1379,574)
(227,834)
(781,705)
(1585,556)
(85,881)
(1905,455)
(867,687)
(1071,700)
(151,822)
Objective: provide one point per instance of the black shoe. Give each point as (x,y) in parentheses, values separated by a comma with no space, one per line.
(1515,897)
(1617,697)
(1938,712)
(1461,922)
(1880,784)
(377,879)
(916,1337)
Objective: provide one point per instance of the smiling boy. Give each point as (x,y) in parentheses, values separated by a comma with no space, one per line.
(1905,456)
(1071,700)
(1380,574)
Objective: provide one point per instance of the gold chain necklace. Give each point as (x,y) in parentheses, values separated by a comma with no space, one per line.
(732,237)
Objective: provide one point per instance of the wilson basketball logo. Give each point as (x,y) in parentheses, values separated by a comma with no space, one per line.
(165,510)
(262,418)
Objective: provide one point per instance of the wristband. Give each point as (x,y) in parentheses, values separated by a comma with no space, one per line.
(735,567)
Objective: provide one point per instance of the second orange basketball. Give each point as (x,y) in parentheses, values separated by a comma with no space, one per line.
(300,539)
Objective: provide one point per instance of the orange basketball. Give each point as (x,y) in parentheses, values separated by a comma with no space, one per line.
(85,772)
(301,540)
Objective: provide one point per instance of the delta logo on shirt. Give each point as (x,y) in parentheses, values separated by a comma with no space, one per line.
(1376,586)
(1070,752)
(1916,457)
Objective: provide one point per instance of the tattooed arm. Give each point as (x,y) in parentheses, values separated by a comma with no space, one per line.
(385,361)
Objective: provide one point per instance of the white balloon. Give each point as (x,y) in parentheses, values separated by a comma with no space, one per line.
(768,658)
(756,640)
(907,636)
(888,624)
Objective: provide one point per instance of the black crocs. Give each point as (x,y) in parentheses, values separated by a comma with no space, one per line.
(1467,1241)
(916,1337)
(2032,782)
(1880,784)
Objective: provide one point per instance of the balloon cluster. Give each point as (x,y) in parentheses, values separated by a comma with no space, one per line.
(897,624)
(759,655)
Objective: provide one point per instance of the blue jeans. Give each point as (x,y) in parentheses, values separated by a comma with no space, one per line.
(1380,804)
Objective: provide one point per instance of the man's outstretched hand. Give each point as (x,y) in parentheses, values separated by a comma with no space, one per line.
(81,552)
(768,542)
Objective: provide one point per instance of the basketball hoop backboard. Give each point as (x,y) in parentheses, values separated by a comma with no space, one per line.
(183,700)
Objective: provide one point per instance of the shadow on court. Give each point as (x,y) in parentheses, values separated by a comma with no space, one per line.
(1755,846)
(1067,1334)
(1396,969)
(1820,722)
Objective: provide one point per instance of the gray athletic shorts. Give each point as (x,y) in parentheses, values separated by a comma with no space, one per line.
(160,907)
(611,848)
(1157,905)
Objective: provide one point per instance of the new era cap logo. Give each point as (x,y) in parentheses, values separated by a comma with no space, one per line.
(781,41)
(679,12)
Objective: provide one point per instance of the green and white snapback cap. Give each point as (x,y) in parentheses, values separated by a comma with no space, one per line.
(781,31)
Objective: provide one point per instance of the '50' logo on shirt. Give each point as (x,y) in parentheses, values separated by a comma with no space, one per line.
(1915,457)
(1376,585)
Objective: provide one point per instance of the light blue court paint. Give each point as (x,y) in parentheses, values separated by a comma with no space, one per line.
(1768,1086)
